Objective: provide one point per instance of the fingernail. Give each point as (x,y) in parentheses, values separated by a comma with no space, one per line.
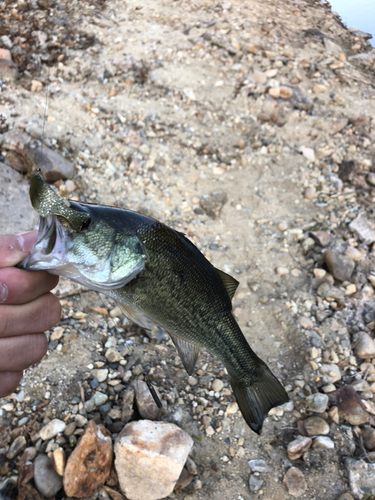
(3,292)
(26,240)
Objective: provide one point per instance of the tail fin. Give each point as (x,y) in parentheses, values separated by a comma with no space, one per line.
(258,396)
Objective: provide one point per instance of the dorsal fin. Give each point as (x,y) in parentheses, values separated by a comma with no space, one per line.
(188,353)
(230,283)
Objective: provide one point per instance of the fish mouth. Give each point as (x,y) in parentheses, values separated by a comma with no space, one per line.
(50,247)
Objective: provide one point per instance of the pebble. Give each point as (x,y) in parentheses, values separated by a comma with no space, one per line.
(112,355)
(217,385)
(282,226)
(365,228)
(317,403)
(306,323)
(70,428)
(316,426)
(298,447)
(255,483)
(364,345)
(309,154)
(80,420)
(294,482)
(18,445)
(52,428)
(323,442)
(318,89)
(349,405)
(354,254)
(59,461)
(282,271)
(232,408)
(340,266)
(350,289)
(99,398)
(127,408)
(192,381)
(46,479)
(368,436)
(100,374)
(319,273)
(322,238)
(258,465)
(330,373)
(310,193)
(149,458)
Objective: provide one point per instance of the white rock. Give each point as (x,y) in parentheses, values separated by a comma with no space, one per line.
(308,153)
(100,374)
(217,385)
(323,442)
(52,428)
(149,458)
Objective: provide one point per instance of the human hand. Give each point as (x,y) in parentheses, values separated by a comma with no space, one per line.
(26,309)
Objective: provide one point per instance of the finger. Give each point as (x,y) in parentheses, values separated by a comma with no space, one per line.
(9,382)
(15,247)
(37,316)
(18,286)
(18,353)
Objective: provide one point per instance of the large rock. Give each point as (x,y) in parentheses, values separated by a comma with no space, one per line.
(294,482)
(340,266)
(364,228)
(149,458)
(349,405)
(89,466)
(361,478)
(364,345)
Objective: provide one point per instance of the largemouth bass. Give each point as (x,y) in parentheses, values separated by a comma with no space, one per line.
(157,276)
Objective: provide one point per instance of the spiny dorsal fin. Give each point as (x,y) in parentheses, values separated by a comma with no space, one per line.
(230,283)
(188,353)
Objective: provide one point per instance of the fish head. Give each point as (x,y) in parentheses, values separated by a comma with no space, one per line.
(83,242)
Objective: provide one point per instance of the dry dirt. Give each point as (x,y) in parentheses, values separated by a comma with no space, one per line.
(185,94)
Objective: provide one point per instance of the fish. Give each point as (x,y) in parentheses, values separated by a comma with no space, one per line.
(158,277)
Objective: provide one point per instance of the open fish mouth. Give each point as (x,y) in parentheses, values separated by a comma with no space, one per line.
(51,245)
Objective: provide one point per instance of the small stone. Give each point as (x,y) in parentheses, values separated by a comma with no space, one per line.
(99,398)
(317,403)
(47,481)
(345,496)
(371,179)
(258,465)
(319,273)
(282,271)
(328,388)
(259,77)
(217,385)
(18,445)
(145,402)
(184,480)
(310,193)
(89,465)
(349,405)
(52,428)
(192,381)
(354,254)
(365,228)
(368,436)
(116,312)
(210,431)
(57,333)
(298,447)
(112,355)
(364,345)
(232,408)
(255,483)
(149,458)
(70,186)
(29,454)
(361,478)
(53,166)
(286,92)
(100,374)
(333,414)
(127,408)
(80,420)
(322,238)
(283,226)
(323,442)
(350,289)
(316,426)
(306,323)
(274,92)
(319,89)
(212,203)
(294,482)
(330,373)
(308,153)
(59,461)
(340,266)
(70,428)
(36,86)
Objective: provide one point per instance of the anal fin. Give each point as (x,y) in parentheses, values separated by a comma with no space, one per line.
(136,317)
(188,353)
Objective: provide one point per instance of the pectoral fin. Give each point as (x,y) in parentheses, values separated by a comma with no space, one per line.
(135,316)
(188,353)
(230,283)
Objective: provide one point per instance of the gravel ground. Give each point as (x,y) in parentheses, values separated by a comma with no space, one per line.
(248,126)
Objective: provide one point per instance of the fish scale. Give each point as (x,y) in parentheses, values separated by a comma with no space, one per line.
(157,276)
